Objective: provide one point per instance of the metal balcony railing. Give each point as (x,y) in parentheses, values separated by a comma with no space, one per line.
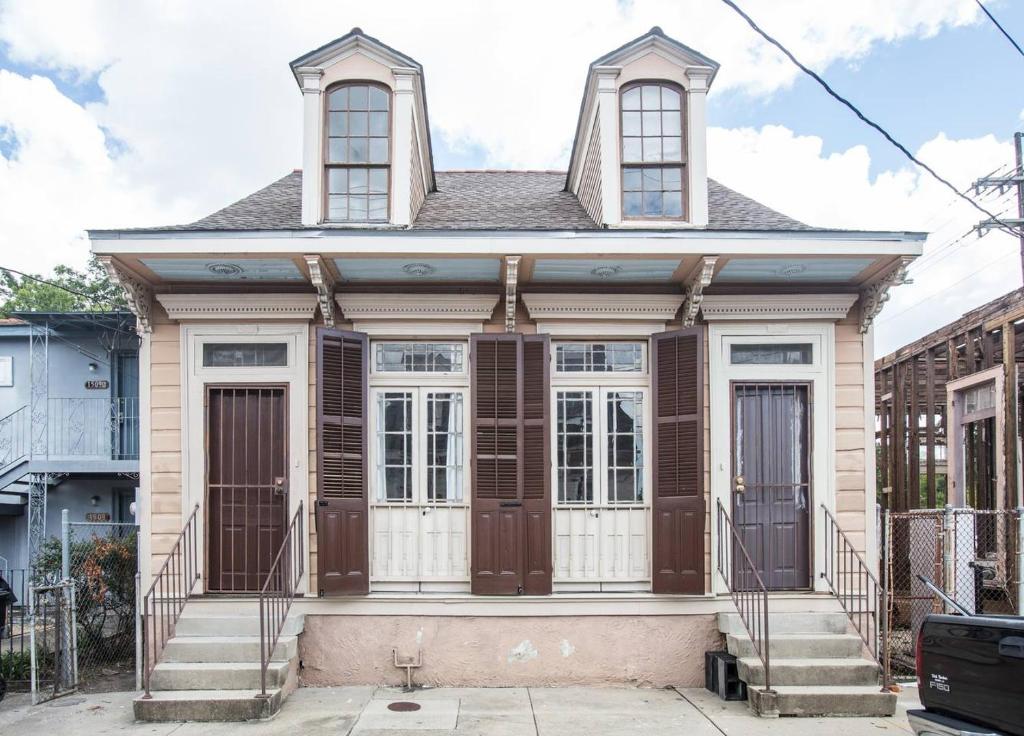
(103,428)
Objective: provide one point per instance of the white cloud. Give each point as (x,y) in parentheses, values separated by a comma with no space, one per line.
(789,172)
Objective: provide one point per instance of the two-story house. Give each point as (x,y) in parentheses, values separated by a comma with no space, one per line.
(528,427)
(69,425)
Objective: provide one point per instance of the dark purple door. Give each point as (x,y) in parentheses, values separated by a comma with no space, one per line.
(771,484)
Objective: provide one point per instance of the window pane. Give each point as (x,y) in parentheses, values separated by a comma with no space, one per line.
(358,97)
(625,446)
(772,354)
(378,181)
(652,149)
(672,149)
(652,180)
(357,181)
(631,179)
(336,148)
(378,99)
(672,204)
(337,181)
(631,150)
(337,123)
(630,123)
(394,443)
(631,99)
(669,99)
(338,99)
(244,354)
(590,357)
(357,208)
(378,123)
(651,97)
(652,123)
(671,124)
(444,446)
(378,209)
(358,123)
(652,204)
(337,207)
(378,150)
(358,153)
(574,442)
(672,178)
(418,357)
(631,204)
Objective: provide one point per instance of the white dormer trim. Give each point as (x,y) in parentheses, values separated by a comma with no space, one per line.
(418,315)
(699,77)
(829,307)
(239,306)
(607,93)
(312,143)
(597,315)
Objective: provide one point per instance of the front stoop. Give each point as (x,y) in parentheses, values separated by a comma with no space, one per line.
(818,667)
(210,669)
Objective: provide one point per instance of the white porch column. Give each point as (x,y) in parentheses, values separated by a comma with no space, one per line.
(312,145)
(696,131)
(608,119)
(401,151)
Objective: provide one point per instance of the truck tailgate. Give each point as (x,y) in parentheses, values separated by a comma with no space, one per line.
(973,668)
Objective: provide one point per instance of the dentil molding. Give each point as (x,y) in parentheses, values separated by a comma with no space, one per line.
(829,307)
(239,306)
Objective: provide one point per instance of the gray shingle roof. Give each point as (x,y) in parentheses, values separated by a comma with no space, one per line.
(484,200)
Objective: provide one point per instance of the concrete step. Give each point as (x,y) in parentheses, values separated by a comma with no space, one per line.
(799,645)
(225,649)
(216,675)
(824,700)
(790,623)
(204,624)
(810,671)
(206,705)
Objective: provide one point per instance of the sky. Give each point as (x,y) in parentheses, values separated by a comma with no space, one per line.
(124,113)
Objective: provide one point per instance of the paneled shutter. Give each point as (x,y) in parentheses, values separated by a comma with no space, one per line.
(677,360)
(342,361)
(536,463)
(497,507)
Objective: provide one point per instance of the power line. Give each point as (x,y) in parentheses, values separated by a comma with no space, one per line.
(1001,29)
(90,297)
(853,108)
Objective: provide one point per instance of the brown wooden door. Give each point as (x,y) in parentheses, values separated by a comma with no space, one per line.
(677,366)
(342,513)
(246,484)
(772,480)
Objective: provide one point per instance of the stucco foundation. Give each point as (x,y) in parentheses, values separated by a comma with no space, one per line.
(494,651)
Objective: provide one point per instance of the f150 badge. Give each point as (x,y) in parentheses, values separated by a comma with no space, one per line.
(939,682)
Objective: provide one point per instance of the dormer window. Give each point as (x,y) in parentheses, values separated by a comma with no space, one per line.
(358,155)
(653,151)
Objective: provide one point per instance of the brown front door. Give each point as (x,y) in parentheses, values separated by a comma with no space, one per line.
(246,484)
(771,488)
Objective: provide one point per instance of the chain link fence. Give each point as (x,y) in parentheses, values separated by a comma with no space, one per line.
(53,641)
(974,556)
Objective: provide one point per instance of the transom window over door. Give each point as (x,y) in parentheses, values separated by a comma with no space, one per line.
(653,151)
(358,154)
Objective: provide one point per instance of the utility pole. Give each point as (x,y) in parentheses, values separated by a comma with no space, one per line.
(1002,183)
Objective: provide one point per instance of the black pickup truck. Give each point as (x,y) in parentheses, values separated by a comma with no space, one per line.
(970,673)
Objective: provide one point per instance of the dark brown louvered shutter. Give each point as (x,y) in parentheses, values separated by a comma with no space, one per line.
(677,358)
(497,529)
(342,360)
(536,462)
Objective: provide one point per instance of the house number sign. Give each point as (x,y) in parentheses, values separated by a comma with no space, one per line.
(98,383)
(94,517)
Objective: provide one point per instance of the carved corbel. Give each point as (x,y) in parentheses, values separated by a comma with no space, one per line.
(511,285)
(695,289)
(324,284)
(874,297)
(137,291)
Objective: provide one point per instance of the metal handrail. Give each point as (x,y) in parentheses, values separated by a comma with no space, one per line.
(14,444)
(169,592)
(751,601)
(278,590)
(851,581)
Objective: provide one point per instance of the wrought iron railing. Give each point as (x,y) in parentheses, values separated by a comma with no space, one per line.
(278,591)
(14,444)
(852,582)
(163,603)
(748,591)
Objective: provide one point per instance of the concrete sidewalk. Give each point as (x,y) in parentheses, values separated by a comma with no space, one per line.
(363,711)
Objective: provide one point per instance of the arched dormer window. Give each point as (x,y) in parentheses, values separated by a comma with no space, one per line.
(358,156)
(653,151)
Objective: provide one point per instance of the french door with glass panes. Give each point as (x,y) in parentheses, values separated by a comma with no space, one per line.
(601,518)
(419,509)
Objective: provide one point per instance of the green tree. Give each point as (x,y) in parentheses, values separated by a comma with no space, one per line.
(68,290)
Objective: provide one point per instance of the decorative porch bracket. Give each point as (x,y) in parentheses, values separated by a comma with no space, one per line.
(695,289)
(137,291)
(874,297)
(511,285)
(323,281)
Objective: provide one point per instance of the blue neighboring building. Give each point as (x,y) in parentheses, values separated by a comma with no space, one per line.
(86,439)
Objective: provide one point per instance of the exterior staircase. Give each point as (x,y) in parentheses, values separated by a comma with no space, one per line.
(210,668)
(819,667)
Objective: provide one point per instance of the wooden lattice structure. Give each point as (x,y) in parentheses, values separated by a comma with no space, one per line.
(911,423)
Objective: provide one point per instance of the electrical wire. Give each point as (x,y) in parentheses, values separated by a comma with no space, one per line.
(90,297)
(1001,29)
(866,120)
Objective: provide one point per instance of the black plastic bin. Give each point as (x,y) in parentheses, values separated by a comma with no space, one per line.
(721,676)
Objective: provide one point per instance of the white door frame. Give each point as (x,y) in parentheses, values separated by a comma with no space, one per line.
(956,490)
(194,379)
(820,375)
